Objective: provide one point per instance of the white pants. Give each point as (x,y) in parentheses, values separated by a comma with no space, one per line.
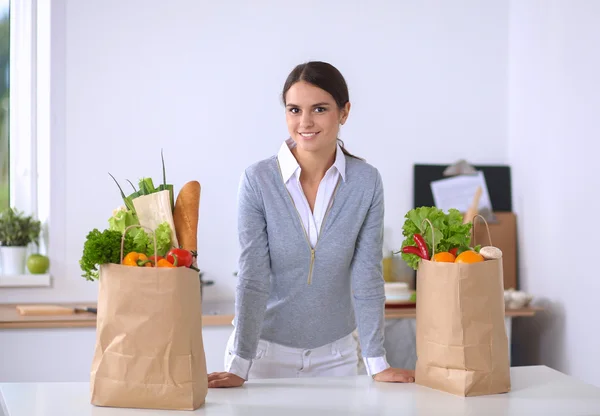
(338,359)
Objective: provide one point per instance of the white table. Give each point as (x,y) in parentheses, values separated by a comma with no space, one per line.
(536,390)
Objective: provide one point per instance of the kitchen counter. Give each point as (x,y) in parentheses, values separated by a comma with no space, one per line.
(214,314)
(411,312)
(536,390)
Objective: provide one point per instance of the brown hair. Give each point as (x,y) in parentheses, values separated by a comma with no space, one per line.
(324,76)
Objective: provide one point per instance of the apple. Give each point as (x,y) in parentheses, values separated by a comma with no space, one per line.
(38,264)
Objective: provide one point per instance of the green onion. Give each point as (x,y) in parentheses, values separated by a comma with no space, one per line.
(128,202)
(134,190)
(163,166)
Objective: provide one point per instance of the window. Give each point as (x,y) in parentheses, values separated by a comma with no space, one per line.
(25,63)
(25,180)
(4,97)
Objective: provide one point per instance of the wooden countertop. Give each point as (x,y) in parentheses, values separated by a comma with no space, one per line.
(409,312)
(215,314)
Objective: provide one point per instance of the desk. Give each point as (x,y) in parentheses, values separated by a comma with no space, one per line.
(536,390)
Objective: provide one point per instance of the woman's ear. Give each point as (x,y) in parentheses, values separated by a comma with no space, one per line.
(344,113)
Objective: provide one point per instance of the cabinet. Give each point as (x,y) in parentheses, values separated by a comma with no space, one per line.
(65,354)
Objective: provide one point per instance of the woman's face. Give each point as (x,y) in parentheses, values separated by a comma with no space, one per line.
(313,117)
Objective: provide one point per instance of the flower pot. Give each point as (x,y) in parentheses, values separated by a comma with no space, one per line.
(12,260)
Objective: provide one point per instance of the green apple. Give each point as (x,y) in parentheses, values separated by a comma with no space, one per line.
(38,264)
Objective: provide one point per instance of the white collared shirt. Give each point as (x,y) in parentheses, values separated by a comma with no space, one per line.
(290,170)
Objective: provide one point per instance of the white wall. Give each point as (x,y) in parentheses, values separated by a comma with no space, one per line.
(554,101)
(202,80)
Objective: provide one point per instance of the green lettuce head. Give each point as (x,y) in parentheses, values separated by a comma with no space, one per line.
(121,219)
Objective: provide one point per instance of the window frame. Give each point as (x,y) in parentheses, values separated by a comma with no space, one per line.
(29,110)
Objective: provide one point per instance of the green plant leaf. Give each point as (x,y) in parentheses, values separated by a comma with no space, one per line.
(18,229)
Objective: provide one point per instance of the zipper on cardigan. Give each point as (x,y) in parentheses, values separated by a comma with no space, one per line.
(312,249)
(312,264)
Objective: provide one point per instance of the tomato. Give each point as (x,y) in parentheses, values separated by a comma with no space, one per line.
(453,251)
(184,257)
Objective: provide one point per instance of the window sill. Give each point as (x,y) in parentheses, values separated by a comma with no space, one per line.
(26,280)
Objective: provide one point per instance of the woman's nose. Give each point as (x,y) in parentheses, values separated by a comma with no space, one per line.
(306,120)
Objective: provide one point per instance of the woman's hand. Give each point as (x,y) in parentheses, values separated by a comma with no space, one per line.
(395,375)
(224,380)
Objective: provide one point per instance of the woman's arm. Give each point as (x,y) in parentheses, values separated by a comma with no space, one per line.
(252,290)
(369,293)
(367,283)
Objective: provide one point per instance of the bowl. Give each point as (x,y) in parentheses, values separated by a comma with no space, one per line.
(397,291)
(516,299)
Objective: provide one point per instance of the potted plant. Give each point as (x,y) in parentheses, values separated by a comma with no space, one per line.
(17,231)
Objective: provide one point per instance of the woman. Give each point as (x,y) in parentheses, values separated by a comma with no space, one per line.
(310,224)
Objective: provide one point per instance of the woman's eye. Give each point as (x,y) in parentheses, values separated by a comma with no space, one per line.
(320,109)
(294,110)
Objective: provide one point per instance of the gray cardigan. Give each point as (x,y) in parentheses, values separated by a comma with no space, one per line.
(291,294)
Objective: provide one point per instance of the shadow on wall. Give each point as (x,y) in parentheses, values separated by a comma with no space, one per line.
(541,340)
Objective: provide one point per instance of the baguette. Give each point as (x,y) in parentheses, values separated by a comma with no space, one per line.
(185,215)
(474,207)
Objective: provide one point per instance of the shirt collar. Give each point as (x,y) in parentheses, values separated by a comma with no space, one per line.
(340,162)
(287,161)
(289,164)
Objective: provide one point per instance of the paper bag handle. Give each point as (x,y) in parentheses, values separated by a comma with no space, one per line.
(432,237)
(486,226)
(141,226)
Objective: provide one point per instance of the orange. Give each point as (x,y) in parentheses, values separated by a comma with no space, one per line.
(469,256)
(444,256)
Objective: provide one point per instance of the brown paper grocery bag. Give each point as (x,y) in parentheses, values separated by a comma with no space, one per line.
(462,346)
(149,349)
